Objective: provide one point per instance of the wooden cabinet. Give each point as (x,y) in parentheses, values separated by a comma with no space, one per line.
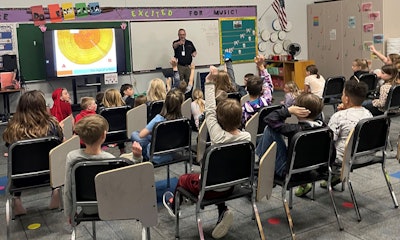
(286,71)
(339,31)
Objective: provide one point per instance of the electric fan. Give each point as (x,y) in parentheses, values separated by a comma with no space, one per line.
(294,49)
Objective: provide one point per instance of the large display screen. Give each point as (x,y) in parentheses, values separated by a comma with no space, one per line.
(76,52)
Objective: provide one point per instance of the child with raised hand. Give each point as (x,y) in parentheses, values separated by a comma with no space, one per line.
(92,130)
(349,113)
(127,92)
(314,82)
(389,75)
(62,104)
(171,110)
(390,59)
(223,123)
(291,92)
(260,91)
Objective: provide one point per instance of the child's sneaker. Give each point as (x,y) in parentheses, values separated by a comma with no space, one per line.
(302,190)
(168,199)
(335,181)
(224,223)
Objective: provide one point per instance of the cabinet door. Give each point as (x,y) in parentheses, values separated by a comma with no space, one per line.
(352,42)
(315,29)
(333,32)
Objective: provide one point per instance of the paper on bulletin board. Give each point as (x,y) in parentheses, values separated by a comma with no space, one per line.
(366,7)
(111,78)
(8,39)
(351,23)
(332,34)
(366,45)
(375,16)
(368,27)
(378,38)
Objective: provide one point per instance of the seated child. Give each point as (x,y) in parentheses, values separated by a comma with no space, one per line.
(349,113)
(260,91)
(359,67)
(92,131)
(197,106)
(126,91)
(62,104)
(139,100)
(314,82)
(223,123)
(291,92)
(88,106)
(307,108)
(170,111)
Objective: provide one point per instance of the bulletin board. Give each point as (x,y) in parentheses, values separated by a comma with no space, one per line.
(31,46)
(239,36)
(152,42)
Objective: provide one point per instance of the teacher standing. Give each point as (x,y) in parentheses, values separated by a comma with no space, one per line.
(184,52)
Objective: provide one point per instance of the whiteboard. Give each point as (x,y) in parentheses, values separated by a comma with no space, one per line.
(151,44)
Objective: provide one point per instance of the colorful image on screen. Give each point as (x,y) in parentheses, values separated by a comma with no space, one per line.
(84,51)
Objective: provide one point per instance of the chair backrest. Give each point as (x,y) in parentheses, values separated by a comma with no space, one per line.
(227,165)
(334,87)
(252,127)
(118,200)
(393,99)
(244,99)
(136,119)
(263,113)
(371,80)
(309,150)
(201,79)
(186,108)
(370,135)
(116,118)
(346,161)
(67,127)
(266,173)
(83,174)
(235,95)
(153,109)
(28,162)
(58,157)
(171,136)
(202,140)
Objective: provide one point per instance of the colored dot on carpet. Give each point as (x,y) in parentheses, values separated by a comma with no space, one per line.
(274,221)
(34,226)
(2,188)
(348,205)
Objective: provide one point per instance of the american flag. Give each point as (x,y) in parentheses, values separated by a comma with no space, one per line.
(279,7)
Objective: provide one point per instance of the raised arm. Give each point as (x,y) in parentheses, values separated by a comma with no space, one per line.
(191,77)
(176,77)
(268,86)
(382,57)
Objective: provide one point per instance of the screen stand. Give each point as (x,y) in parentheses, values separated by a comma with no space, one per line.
(86,83)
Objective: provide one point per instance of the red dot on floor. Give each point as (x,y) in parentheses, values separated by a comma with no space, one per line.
(2,188)
(348,205)
(274,221)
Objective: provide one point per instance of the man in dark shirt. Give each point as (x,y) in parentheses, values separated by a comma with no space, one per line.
(184,51)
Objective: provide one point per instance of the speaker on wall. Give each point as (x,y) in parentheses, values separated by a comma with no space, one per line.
(9,62)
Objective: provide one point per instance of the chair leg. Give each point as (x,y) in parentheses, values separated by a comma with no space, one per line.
(289,218)
(199,223)
(61,207)
(258,219)
(389,143)
(177,209)
(94,229)
(291,198)
(396,204)
(353,198)
(313,191)
(168,180)
(334,204)
(8,215)
(73,234)
(146,233)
